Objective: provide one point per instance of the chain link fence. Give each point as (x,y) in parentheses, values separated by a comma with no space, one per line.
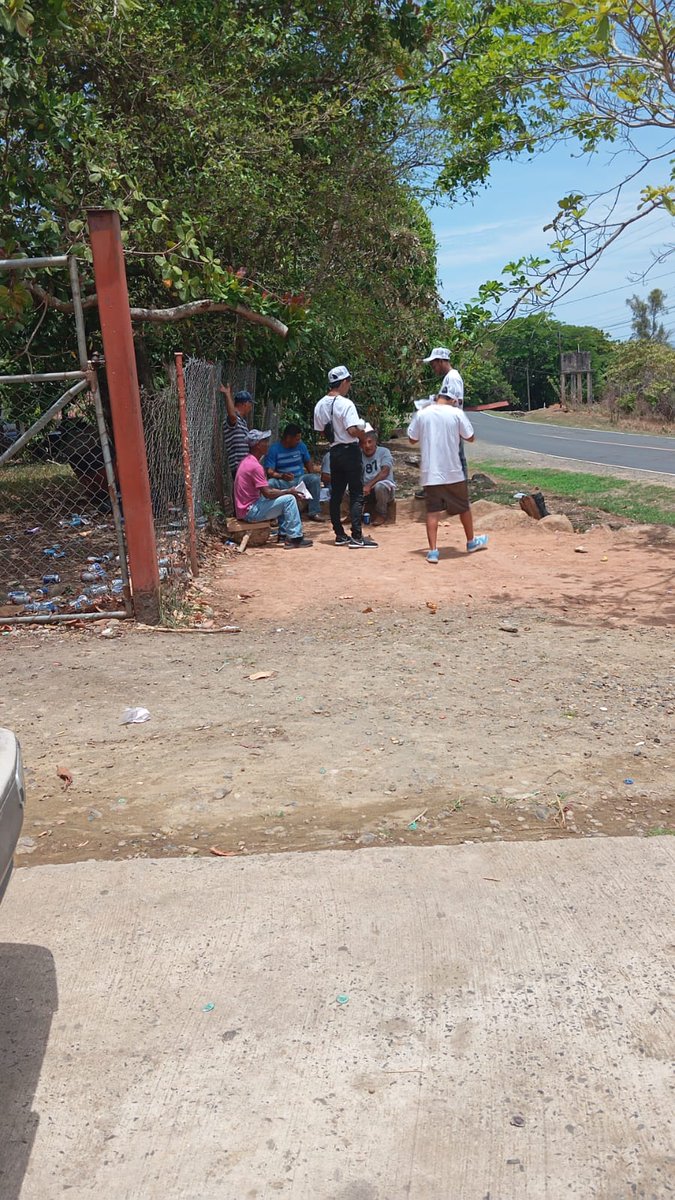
(60,550)
(211,479)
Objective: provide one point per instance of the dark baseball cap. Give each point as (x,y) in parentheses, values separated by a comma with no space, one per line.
(243,397)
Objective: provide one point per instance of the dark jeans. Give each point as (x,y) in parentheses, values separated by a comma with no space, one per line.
(346,472)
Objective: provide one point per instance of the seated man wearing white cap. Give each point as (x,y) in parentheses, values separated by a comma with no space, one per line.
(255,500)
(452,387)
(336,416)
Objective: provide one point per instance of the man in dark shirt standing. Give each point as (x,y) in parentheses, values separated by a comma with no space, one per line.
(238,408)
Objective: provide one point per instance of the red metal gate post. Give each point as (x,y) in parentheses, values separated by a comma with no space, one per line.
(187,469)
(125,404)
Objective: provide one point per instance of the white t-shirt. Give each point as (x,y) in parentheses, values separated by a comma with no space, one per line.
(453,387)
(377,461)
(438,429)
(342,412)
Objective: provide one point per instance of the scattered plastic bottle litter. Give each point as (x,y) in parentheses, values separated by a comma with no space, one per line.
(54,551)
(79,603)
(135,716)
(164,572)
(99,589)
(629,781)
(19,597)
(49,579)
(342,998)
(209,1007)
(117,587)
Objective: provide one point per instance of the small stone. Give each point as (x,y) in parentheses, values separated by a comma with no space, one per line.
(366,839)
(508,627)
(580,550)
(518,1120)
(541,813)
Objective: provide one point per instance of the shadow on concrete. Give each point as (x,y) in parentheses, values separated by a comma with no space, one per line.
(28,1001)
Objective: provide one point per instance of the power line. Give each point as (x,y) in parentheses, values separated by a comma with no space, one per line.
(608,291)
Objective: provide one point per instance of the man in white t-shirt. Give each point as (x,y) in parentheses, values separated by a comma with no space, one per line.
(439,428)
(452,386)
(335,414)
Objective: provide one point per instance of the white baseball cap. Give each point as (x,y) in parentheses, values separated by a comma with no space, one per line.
(337,374)
(255,436)
(438,352)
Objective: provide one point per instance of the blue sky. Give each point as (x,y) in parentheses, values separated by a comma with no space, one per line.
(506,220)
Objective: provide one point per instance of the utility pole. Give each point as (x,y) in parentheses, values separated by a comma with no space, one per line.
(527,379)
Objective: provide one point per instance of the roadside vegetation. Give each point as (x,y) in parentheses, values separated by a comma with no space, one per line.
(647,504)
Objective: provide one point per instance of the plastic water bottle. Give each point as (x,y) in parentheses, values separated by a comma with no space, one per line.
(99,589)
(366,518)
(19,597)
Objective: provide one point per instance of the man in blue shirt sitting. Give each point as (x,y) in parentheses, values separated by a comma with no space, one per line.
(287,463)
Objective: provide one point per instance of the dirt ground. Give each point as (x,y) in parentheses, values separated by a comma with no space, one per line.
(527,692)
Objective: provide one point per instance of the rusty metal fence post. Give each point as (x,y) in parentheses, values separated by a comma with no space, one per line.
(187,468)
(125,403)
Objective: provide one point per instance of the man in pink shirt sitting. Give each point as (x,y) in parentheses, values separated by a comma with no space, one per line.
(255,500)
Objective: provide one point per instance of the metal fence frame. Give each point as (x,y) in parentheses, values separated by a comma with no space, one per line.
(85,378)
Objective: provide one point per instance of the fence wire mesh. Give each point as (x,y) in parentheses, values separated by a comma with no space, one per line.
(211,480)
(59,549)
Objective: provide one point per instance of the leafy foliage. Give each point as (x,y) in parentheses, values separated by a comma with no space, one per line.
(533,344)
(646,313)
(641,379)
(257,153)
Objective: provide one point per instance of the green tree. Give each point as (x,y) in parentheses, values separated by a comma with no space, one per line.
(641,379)
(528,349)
(259,154)
(646,322)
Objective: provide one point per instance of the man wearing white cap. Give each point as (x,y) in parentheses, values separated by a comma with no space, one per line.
(335,415)
(452,387)
(439,429)
(255,500)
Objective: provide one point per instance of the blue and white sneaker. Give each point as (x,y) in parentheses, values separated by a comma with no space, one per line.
(432,556)
(477,543)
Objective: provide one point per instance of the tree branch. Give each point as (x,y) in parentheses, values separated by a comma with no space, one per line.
(181,312)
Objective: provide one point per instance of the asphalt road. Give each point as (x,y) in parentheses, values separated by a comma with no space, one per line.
(641,452)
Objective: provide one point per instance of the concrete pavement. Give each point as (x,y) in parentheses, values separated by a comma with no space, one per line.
(449,1023)
(636,451)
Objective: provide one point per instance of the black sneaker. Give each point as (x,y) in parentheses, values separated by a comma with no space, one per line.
(296,543)
(361,543)
(342,540)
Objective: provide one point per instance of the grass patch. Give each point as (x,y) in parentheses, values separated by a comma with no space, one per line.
(35,486)
(646,503)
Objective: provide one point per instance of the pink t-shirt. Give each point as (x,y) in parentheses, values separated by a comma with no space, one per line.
(248,481)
